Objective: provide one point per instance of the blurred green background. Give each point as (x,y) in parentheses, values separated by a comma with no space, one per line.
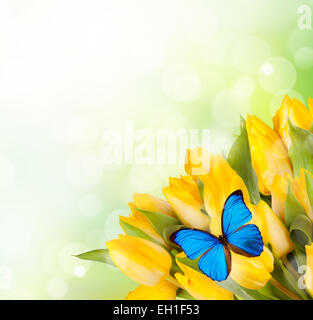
(72,69)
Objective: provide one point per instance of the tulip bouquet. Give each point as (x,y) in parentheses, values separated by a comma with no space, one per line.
(273,168)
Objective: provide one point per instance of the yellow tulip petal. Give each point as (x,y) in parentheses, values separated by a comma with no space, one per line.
(138,220)
(164,290)
(268,153)
(151,203)
(308,277)
(184,197)
(219,183)
(272,229)
(279,193)
(302,195)
(297,113)
(252,273)
(197,162)
(199,285)
(140,259)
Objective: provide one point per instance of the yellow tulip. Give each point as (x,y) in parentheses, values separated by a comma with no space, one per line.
(268,153)
(197,162)
(298,187)
(140,259)
(279,193)
(164,290)
(302,195)
(184,196)
(252,273)
(138,220)
(151,203)
(297,113)
(272,229)
(219,183)
(308,277)
(199,285)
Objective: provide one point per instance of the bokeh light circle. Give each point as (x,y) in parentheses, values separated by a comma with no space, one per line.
(304,58)
(277,74)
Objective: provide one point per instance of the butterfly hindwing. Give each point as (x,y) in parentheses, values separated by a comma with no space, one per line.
(194,242)
(246,241)
(216,263)
(235,213)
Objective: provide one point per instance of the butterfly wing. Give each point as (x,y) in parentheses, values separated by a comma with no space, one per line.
(194,242)
(246,241)
(216,263)
(216,259)
(235,213)
(242,239)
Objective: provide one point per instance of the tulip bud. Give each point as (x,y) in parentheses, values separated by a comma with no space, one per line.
(268,153)
(184,196)
(140,259)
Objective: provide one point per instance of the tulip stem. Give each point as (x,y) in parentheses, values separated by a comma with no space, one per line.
(290,267)
(284,289)
(172,280)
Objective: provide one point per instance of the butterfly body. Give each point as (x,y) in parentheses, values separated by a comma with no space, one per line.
(215,252)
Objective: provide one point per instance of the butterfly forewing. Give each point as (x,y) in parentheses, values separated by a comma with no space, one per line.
(241,238)
(194,242)
(235,213)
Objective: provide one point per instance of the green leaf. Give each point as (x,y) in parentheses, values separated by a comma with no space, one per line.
(301,149)
(269,290)
(159,220)
(200,187)
(181,293)
(190,263)
(292,208)
(243,293)
(133,231)
(168,231)
(239,158)
(99,255)
(267,199)
(286,279)
(311,129)
(309,186)
(301,231)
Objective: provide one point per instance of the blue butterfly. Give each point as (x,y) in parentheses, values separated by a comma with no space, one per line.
(241,238)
